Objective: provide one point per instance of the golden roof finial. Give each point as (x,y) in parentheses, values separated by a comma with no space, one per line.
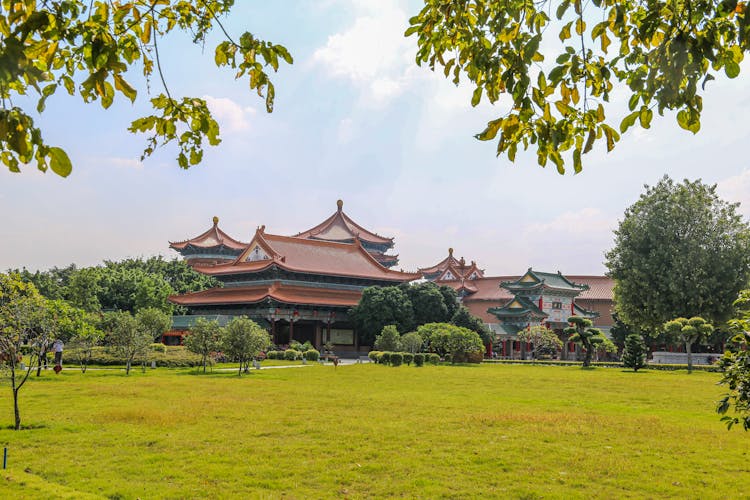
(340,204)
(216,221)
(450,251)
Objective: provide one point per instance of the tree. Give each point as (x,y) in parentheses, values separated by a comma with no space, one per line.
(582,333)
(21,307)
(428,303)
(679,251)
(444,338)
(85,336)
(154,322)
(127,337)
(543,340)
(688,331)
(736,368)
(662,56)
(380,307)
(204,338)
(462,317)
(634,354)
(87,48)
(450,299)
(243,339)
(412,342)
(389,339)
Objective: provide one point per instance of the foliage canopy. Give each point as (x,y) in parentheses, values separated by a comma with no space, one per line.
(87,48)
(680,251)
(661,52)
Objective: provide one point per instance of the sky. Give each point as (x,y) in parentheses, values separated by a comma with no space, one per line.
(355,119)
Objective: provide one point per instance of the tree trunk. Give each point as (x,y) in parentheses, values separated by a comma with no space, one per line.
(42,356)
(239,372)
(204,363)
(587,358)
(16,411)
(688,349)
(127,367)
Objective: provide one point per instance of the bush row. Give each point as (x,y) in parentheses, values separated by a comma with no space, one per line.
(399,358)
(603,364)
(293,355)
(169,356)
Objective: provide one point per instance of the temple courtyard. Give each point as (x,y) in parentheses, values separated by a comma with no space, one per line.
(368,430)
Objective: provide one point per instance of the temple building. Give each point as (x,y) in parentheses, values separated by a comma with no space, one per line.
(452,269)
(539,299)
(299,287)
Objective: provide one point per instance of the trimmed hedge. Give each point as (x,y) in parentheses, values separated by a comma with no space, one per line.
(602,364)
(384,358)
(432,358)
(292,355)
(374,356)
(311,355)
(396,359)
(408,358)
(419,359)
(170,357)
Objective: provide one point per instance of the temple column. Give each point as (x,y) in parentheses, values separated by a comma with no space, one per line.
(317,335)
(291,330)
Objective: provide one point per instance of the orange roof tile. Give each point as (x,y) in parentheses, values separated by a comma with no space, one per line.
(211,238)
(310,256)
(340,227)
(600,287)
(287,294)
(458,267)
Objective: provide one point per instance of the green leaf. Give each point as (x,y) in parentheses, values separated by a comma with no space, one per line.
(577,165)
(123,86)
(59,162)
(732,69)
(628,121)
(476,96)
(490,132)
(645,117)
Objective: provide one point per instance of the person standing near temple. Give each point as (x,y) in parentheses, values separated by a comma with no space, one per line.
(57,348)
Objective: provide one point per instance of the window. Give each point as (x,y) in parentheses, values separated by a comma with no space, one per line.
(557,305)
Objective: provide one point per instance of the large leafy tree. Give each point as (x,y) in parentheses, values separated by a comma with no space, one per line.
(680,251)
(380,307)
(661,53)
(428,303)
(542,339)
(463,317)
(127,338)
(87,48)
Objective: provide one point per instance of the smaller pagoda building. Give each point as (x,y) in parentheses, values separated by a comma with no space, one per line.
(340,228)
(539,298)
(455,273)
(211,247)
(299,288)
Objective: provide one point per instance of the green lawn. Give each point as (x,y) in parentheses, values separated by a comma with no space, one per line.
(374,431)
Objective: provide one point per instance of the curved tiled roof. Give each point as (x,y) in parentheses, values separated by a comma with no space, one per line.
(340,227)
(214,237)
(310,256)
(287,294)
(458,267)
(488,288)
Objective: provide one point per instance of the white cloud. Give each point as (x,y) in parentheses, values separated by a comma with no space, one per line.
(737,189)
(230,115)
(574,224)
(372,52)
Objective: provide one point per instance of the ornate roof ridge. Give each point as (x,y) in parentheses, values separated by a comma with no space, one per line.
(220,236)
(348,222)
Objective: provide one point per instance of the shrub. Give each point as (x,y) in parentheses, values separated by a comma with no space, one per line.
(373,355)
(433,358)
(272,355)
(291,355)
(419,359)
(159,347)
(312,355)
(449,358)
(634,354)
(389,339)
(396,359)
(475,357)
(385,358)
(408,357)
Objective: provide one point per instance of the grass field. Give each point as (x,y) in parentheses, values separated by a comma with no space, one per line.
(373,431)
